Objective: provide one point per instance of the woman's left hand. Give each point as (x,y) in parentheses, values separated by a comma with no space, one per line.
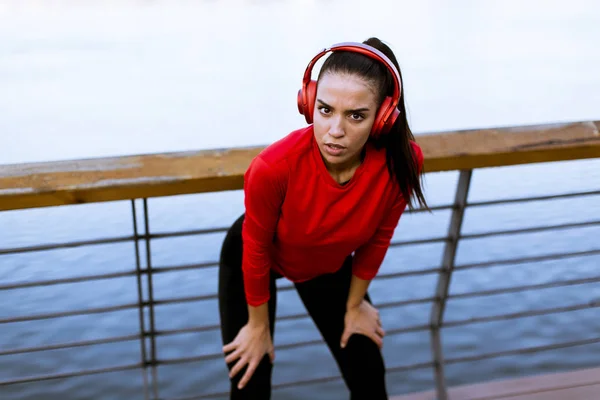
(364,320)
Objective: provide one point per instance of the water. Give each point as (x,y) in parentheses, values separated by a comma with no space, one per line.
(104,78)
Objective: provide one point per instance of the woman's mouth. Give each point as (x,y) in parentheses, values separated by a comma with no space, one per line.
(334,149)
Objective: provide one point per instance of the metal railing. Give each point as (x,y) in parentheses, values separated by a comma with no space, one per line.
(146,304)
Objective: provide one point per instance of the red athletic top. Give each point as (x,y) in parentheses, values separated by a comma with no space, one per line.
(301,223)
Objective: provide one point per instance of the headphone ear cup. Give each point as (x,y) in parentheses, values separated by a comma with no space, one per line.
(391,120)
(382,124)
(379,122)
(300,102)
(306,101)
(311,97)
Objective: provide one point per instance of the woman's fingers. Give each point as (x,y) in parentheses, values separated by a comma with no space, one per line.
(229,347)
(237,367)
(380,331)
(377,339)
(251,368)
(233,356)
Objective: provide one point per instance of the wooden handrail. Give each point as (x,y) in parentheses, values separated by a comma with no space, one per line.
(120,178)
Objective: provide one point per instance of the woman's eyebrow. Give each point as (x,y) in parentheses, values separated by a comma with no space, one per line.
(363,109)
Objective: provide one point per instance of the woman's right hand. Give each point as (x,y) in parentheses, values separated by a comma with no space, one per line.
(249,347)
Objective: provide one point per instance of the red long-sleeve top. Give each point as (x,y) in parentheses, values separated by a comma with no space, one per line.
(301,223)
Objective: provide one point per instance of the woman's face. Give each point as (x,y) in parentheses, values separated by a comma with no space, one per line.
(345,109)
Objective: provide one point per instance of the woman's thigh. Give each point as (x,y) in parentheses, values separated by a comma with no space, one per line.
(360,362)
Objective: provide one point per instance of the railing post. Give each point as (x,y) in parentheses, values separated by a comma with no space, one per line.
(138,270)
(443,283)
(152,332)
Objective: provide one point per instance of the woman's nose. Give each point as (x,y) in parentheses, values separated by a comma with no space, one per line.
(335,128)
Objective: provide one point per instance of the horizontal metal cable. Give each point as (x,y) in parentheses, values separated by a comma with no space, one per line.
(54,246)
(530,230)
(195,329)
(87,278)
(407,329)
(524,260)
(109,240)
(216,327)
(188,299)
(39,378)
(191,232)
(404,274)
(529,199)
(218,355)
(284,288)
(60,346)
(156,270)
(175,301)
(402,303)
(521,351)
(523,314)
(21,285)
(513,289)
(287,346)
(69,313)
(191,329)
(433,208)
(412,367)
(438,239)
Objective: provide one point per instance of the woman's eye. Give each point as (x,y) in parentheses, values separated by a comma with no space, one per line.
(324,110)
(357,117)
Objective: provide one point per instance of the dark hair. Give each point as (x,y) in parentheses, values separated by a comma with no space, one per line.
(401,161)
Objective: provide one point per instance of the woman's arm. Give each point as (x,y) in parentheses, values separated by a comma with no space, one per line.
(264,191)
(361,317)
(358,290)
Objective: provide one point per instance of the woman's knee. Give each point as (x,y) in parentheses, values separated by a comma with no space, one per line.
(259,385)
(365,367)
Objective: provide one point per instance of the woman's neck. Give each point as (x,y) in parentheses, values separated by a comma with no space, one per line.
(343,173)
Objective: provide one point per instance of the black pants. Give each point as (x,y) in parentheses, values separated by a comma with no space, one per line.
(361,362)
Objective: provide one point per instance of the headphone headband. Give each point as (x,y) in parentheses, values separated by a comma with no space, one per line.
(360,48)
(388,111)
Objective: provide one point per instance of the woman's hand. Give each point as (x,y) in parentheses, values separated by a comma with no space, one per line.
(249,347)
(363,319)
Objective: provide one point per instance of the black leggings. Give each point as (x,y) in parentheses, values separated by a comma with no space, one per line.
(361,362)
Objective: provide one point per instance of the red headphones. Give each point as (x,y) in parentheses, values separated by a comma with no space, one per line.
(387,113)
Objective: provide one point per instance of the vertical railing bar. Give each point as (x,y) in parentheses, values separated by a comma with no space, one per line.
(150,299)
(140,301)
(443,284)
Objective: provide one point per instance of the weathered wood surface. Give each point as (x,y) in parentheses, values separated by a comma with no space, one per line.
(575,385)
(121,178)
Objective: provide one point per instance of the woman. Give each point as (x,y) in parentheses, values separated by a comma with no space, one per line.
(321,208)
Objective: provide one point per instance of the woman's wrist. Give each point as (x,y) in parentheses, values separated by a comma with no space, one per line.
(353,304)
(357,292)
(258,317)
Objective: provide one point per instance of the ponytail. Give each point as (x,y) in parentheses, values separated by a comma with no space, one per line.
(403,164)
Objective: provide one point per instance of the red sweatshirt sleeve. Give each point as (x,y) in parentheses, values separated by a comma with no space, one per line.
(368,257)
(264,190)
